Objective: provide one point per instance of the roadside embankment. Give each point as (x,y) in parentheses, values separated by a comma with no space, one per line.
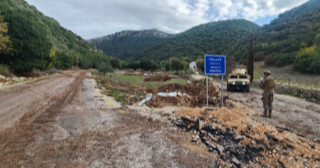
(297,91)
(308,93)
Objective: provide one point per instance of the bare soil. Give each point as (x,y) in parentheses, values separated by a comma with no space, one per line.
(61,121)
(289,112)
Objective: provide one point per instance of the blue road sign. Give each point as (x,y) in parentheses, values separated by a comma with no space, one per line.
(215,64)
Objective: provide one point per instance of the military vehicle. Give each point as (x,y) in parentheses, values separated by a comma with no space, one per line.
(238,79)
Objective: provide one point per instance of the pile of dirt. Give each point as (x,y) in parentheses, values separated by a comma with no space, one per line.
(135,73)
(162,73)
(195,96)
(241,141)
(157,78)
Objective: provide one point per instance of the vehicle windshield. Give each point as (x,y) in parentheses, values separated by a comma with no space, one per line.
(233,77)
(243,77)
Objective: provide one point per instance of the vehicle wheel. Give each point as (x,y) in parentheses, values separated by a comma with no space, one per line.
(248,88)
(228,88)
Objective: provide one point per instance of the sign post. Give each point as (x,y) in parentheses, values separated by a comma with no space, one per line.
(215,65)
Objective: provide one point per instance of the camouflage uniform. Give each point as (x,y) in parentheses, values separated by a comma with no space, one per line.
(267,85)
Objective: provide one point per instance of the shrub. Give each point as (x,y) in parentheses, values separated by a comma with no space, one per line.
(308,64)
(176,65)
(104,67)
(116,63)
(200,64)
(149,65)
(259,57)
(4,70)
(269,60)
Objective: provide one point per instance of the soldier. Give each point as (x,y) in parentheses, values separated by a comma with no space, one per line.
(267,84)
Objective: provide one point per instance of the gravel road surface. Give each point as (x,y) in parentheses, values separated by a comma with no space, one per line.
(64,121)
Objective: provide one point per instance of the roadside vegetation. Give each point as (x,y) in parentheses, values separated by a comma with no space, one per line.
(4,70)
(287,75)
(30,40)
(129,87)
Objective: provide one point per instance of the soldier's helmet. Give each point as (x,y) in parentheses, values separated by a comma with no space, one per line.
(267,72)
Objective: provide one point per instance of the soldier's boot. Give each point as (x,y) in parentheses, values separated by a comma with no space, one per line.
(270,112)
(264,114)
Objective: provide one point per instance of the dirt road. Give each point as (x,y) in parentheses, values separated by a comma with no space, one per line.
(289,112)
(62,121)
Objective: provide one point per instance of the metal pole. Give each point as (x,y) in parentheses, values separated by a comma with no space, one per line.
(222,92)
(207,92)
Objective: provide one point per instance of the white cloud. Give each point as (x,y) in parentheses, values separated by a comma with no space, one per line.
(101,17)
(250,9)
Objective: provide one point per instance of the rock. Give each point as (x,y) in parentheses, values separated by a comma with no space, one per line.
(1,84)
(2,77)
(15,79)
(195,138)
(220,149)
(236,162)
(291,137)
(211,145)
(203,133)
(178,122)
(238,138)
(188,119)
(215,139)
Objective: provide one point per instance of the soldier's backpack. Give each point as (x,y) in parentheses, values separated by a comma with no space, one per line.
(270,84)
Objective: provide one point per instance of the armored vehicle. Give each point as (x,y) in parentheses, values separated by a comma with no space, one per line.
(238,79)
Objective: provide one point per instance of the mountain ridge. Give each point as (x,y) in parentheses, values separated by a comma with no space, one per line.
(127,43)
(40,42)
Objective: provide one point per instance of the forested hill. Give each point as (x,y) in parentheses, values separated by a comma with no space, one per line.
(39,42)
(217,37)
(279,42)
(128,43)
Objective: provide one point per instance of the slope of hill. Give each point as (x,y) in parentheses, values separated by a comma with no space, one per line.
(40,42)
(280,41)
(126,44)
(212,38)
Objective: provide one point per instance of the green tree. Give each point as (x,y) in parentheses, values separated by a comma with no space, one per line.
(176,65)
(200,64)
(31,46)
(317,41)
(5,43)
(149,65)
(134,65)
(105,67)
(116,63)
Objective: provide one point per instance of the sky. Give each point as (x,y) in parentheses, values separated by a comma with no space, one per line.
(96,18)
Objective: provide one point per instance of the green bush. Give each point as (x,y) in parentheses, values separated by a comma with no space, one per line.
(269,60)
(104,68)
(200,64)
(4,70)
(134,65)
(259,57)
(149,65)
(176,65)
(308,64)
(116,63)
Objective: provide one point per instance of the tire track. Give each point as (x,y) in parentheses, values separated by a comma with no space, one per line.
(14,140)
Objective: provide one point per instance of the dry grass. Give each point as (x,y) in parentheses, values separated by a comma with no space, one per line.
(286,75)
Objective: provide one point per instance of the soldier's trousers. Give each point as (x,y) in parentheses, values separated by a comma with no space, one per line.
(267,100)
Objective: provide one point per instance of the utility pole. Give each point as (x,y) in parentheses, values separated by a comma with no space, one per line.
(250,59)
